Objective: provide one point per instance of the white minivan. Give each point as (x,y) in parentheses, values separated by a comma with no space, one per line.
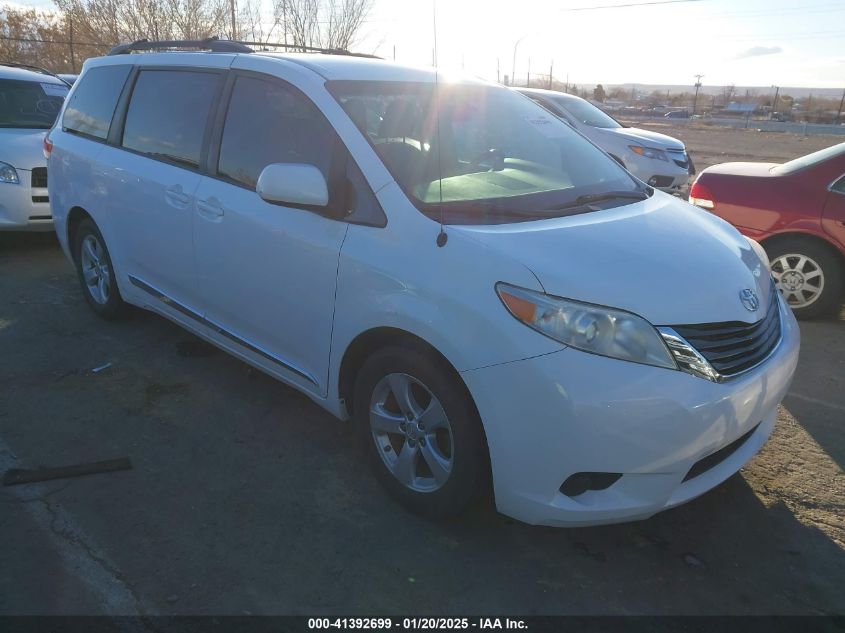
(488,297)
(658,159)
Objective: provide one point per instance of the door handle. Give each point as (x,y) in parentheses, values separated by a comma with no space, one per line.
(176,197)
(211,208)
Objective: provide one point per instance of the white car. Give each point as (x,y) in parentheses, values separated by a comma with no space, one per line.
(29,102)
(474,285)
(656,159)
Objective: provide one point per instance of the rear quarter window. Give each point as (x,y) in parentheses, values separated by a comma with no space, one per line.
(91,106)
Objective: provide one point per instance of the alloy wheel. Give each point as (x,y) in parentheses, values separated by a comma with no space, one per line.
(95,269)
(412,432)
(799,278)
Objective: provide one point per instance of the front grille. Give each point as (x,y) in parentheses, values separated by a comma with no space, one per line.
(733,346)
(714,459)
(39,177)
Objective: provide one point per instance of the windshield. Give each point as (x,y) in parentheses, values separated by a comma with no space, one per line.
(30,104)
(501,156)
(809,160)
(587,113)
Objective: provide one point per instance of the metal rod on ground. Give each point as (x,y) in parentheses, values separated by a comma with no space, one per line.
(15,476)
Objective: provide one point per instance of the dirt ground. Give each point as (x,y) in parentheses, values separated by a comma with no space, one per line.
(246,498)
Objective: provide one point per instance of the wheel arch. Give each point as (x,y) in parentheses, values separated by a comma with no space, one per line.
(809,236)
(369,341)
(74,218)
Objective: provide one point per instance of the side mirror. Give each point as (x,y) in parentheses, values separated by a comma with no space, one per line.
(294,184)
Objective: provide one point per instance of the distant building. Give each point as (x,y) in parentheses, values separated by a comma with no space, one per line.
(740,108)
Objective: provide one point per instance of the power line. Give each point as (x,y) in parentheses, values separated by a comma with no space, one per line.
(65,42)
(628,6)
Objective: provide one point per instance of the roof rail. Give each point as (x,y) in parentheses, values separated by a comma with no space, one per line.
(309,49)
(216,45)
(35,69)
(213,44)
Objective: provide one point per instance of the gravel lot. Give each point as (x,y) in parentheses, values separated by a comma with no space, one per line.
(247,498)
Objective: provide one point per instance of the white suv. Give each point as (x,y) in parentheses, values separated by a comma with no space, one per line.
(476,286)
(30,99)
(660,160)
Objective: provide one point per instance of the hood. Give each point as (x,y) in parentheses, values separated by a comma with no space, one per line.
(742,169)
(661,258)
(636,136)
(22,149)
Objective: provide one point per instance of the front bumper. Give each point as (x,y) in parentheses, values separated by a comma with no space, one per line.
(552,416)
(666,176)
(24,207)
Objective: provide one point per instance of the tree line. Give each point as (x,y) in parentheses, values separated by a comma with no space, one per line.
(63,39)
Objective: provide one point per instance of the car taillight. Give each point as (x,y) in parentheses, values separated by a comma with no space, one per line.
(701,196)
(48,146)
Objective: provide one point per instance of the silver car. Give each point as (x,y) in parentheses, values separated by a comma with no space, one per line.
(30,99)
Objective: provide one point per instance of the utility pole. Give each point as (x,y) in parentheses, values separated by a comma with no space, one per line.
(234,23)
(775,100)
(697,87)
(72,55)
(285,22)
(841,103)
(394,52)
(498,72)
(528,81)
(551,72)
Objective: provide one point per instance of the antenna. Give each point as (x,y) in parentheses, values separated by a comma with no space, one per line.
(442,238)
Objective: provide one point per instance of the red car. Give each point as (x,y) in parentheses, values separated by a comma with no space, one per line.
(797,212)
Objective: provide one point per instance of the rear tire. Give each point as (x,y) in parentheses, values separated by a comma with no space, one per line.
(96,273)
(808,273)
(420,431)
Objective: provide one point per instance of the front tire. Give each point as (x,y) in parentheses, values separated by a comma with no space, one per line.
(807,273)
(420,431)
(96,273)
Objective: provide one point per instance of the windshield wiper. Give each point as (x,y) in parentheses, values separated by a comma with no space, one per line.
(590,198)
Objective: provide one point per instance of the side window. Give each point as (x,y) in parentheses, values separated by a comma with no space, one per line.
(269,123)
(92,104)
(168,112)
(839,185)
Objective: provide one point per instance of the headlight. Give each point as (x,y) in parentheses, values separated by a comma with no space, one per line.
(649,152)
(761,253)
(8,174)
(588,327)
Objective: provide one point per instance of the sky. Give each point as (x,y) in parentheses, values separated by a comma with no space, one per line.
(742,42)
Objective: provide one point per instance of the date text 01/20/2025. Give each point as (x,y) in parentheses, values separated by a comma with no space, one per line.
(436,624)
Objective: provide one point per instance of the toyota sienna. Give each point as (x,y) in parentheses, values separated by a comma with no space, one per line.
(488,297)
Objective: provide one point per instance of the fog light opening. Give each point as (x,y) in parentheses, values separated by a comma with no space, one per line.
(579,483)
